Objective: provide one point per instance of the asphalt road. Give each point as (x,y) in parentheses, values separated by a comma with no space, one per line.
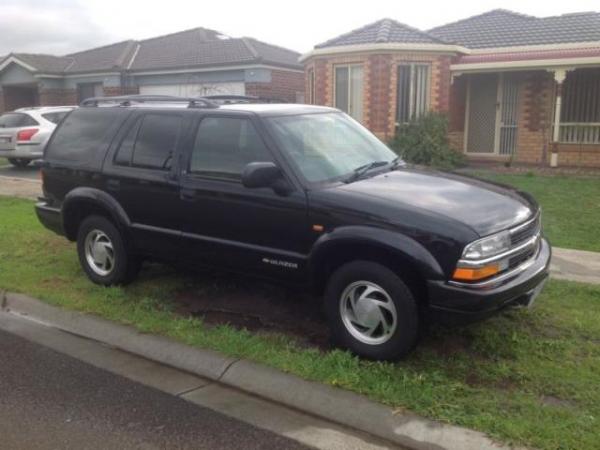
(30,172)
(52,401)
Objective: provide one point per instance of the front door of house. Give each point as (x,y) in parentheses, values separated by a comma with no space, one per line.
(492,114)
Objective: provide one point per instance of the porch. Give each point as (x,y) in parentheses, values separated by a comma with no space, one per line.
(547,115)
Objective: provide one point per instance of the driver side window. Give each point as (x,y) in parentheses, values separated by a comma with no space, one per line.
(224,146)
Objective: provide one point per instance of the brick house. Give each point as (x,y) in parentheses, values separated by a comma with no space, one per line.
(514,86)
(190,63)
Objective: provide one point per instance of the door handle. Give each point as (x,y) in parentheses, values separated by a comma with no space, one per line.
(189,195)
(113,185)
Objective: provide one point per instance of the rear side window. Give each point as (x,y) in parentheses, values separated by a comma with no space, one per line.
(83,133)
(224,146)
(151,142)
(55,117)
(15,120)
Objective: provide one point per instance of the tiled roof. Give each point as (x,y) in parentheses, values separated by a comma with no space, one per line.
(44,63)
(198,47)
(502,28)
(383,31)
(202,47)
(109,57)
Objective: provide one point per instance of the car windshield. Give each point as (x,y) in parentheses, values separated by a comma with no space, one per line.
(329,146)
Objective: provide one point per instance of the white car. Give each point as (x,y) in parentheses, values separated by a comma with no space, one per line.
(25,132)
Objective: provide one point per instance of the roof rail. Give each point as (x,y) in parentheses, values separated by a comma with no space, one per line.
(128,100)
(230,99)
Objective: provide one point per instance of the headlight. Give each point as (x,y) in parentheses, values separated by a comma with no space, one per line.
(489,246)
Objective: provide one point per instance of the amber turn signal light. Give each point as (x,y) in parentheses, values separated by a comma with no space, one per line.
(470,274)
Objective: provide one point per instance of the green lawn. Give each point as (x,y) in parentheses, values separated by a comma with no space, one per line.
(527,377)
(571,206)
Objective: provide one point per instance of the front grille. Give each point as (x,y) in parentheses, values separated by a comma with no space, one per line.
(520,258)
(522,233)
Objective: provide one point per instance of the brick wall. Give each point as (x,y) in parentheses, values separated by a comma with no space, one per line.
(379,83)
(57,97)
(535,117)
(120,90)
(579,155)
(285,85)
(18,97)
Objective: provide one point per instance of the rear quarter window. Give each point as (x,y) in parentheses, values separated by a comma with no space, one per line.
(55,117)
(15,120)
(83,134)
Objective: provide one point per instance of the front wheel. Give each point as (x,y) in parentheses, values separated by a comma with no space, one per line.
(103,254)
(19,162)
(371,311)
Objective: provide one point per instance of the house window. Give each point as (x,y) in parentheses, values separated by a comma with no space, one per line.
(349,90)
(580,112)
(89,90)
(311,86)
(412,92)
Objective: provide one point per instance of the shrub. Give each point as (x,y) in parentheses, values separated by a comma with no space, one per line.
(425,141)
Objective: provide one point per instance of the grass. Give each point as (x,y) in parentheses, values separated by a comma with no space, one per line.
(571,206)
(528,377)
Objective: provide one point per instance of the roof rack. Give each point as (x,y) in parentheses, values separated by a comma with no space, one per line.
(232,99)
(128,100)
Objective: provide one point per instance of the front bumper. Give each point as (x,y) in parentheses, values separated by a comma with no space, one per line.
(50,217)
(450,304)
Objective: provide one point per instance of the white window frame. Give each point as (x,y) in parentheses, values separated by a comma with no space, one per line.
(311,86)
(580,120)
(411,92)
(351,104)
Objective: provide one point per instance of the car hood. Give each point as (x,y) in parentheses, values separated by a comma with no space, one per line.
(483,206)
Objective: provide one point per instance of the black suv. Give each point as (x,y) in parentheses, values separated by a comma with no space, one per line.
(297,193)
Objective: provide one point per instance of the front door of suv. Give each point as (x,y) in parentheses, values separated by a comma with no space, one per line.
(140,174)
(226,224)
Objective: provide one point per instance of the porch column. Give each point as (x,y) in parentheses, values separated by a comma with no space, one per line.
(559,77)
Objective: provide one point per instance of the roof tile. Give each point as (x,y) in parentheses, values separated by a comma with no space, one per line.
(383,31)
(502,28)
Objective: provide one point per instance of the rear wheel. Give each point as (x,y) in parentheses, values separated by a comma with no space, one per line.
(19,162)
(103,254)
(371,311)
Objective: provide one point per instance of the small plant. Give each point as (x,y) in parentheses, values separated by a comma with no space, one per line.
(425,141)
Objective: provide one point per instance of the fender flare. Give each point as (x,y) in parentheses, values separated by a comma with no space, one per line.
(394,242)
(94,197)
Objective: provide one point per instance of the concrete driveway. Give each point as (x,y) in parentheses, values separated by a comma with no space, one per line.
(28,173)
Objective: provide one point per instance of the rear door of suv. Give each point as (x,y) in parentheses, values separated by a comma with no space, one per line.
(226,224)
(140,173)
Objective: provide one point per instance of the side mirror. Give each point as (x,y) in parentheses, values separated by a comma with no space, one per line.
(260,174)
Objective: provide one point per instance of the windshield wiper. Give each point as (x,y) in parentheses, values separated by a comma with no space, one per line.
(397,162)
(361,170)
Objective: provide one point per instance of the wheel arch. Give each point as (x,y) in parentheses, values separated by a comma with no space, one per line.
(400,253)
(83,202)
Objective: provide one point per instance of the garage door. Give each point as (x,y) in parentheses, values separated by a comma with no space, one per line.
(194,90)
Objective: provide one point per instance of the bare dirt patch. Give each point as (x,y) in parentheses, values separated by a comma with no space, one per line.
(222,298)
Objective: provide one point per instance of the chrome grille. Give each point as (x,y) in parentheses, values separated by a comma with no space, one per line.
(525,231)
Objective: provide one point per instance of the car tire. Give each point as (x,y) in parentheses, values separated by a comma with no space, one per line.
(19,162)
(371,311)
(103,253)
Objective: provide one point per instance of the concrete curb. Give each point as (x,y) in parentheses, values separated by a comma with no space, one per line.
(343,407)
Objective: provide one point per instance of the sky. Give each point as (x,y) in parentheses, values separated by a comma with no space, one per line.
(65,26)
